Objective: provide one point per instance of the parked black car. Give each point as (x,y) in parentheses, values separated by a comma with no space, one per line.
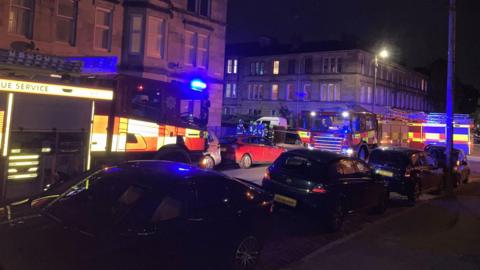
(139,215)
(407,171)
(460,165)
(330,184)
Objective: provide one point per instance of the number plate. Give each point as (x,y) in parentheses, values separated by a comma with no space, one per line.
(285,200)
(385,173)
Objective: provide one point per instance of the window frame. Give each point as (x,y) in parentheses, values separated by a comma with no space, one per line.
(133,31)
(276,67)
(103,28)
(31,11)
(73,22)
(152,52)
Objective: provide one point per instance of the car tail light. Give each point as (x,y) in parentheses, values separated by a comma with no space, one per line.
(268,205)
(266,175)
(319,190)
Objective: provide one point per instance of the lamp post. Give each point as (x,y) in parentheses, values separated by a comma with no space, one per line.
(382,54)
(449,97)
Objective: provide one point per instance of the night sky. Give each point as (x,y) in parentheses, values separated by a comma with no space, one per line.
(415,31)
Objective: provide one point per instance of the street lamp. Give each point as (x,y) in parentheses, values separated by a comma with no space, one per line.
(384,54)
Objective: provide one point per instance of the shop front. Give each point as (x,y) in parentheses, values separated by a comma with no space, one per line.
(45,130)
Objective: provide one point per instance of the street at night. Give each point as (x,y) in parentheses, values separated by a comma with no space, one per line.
(239,134)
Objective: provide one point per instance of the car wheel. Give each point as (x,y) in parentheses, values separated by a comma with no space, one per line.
(415,193)
(247,253)
(335,218)
(245,162)
(208,162)
(362,153)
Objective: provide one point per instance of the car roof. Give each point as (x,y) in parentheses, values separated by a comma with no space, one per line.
(165,171)
(403,150)
(440,147)
(317,155)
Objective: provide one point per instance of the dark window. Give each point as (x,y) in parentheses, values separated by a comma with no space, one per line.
(204,8)
(339,65)
(292,66)
(362,167)
(346,167)
(389,158)
(97,201)
(212,195)
(252,68)
(201,7)
(192,5)
(296,164)
(326,65)
(308,65)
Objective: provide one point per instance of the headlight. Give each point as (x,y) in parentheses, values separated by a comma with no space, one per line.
(347,151)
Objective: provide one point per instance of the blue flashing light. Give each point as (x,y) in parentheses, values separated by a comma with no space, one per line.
(198,85)
(96,64)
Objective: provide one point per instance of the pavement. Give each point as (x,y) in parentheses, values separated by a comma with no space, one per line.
(437,234)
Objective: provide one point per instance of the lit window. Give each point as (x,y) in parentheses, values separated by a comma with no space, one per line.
(136,27)
(65,31)
(20,18)
(103,29)
(228,90)
(229,66)
(274,95)
(234,90)
(156,37)
(276,67)
(235,66)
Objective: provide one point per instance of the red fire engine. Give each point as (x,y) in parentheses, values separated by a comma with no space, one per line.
(342,130)
(151,119)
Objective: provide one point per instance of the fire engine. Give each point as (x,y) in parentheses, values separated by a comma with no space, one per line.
(427,129)
(151,119)
(342,130)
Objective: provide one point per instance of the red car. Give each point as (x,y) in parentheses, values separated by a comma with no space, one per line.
(248,150)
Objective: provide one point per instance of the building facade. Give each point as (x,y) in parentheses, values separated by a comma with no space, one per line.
(64,62)
(177,41)
(270,85)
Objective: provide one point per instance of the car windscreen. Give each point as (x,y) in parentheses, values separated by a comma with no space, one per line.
(114,199)
(389,158)
(300,166)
